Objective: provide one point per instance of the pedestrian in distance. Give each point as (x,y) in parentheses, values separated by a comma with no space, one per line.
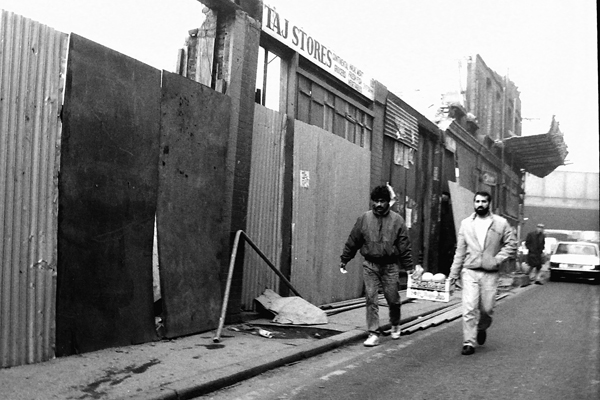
(382,238)
(484,241)
(535,243)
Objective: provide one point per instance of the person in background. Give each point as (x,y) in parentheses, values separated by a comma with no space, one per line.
(382,238)
(484,241)
(535,243)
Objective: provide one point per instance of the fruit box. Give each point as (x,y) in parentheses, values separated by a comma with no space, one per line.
(428,290)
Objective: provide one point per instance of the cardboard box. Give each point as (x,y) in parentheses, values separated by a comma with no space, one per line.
(428,290)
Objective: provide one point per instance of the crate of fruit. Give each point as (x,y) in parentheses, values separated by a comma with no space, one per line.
(429,287)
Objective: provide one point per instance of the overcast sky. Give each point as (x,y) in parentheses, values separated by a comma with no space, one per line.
(547,48)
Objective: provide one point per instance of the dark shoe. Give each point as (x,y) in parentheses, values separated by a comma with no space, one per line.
(538,283)
(468,350)
(481,336)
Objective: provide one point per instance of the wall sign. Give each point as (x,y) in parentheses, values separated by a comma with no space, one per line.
(312,49)
(488,178)
(304,179)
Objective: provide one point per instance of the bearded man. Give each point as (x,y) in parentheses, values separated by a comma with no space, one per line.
(484,241)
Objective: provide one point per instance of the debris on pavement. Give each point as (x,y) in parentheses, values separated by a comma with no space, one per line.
(291,310)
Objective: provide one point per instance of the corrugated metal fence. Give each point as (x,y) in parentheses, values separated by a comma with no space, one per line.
(264,203)
(32,57)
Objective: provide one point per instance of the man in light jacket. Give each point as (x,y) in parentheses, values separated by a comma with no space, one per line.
(484,241)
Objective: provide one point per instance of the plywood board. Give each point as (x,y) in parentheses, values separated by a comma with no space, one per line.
(462,203)
(192,236)
(331,190)
(107,200)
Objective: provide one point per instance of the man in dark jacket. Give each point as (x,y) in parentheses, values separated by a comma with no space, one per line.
(535,243)
(382,238)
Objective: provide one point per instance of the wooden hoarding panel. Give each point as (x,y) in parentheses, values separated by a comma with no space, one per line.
(107,200)
(192,236)
(331,190)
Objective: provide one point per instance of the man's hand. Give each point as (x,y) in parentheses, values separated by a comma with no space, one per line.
(417,272)
(453,282)
(343,268)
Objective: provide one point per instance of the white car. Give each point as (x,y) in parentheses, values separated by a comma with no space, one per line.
(575,259)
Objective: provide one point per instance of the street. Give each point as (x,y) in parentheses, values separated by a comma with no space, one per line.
(543,344)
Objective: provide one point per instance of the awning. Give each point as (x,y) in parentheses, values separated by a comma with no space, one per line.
(538,154)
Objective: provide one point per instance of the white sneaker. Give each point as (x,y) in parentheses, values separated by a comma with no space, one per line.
(396,332)
(372,340)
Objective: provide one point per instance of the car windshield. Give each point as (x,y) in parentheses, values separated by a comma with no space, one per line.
(581,249)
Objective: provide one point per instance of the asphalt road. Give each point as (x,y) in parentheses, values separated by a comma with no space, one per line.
(543,344)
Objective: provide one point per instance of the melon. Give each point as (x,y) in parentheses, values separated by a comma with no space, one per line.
(427,276)
(439,277)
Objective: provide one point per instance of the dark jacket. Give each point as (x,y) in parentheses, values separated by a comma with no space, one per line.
(535,245)
(380,239)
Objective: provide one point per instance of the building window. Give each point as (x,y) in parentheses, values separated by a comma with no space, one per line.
(403,155)
(319,106)
(268,76)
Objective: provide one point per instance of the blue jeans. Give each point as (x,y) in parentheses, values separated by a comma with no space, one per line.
(386,277)
(478,300)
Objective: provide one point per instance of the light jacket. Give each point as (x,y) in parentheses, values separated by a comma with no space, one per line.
(500,244)
(381,239)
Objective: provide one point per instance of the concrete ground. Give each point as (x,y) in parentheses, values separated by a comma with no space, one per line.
(193,365)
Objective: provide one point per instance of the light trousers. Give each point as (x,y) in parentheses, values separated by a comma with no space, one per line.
(478,299)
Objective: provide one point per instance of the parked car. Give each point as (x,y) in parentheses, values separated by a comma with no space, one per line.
(575,259)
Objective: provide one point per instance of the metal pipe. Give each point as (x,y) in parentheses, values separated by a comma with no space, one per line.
(217,337)
(236,241)
(270,264)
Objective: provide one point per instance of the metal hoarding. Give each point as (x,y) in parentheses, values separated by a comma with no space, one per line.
(265,203)
(32,62)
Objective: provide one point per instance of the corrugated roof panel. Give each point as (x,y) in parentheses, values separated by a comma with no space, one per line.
(537,154)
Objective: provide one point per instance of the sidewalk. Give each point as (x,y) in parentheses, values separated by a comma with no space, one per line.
(193,365)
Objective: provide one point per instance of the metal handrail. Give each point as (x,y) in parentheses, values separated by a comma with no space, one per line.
(236,242)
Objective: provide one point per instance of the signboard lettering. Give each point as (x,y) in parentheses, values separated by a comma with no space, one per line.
(297,39)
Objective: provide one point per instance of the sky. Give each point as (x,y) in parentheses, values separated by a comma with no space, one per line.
(547,48)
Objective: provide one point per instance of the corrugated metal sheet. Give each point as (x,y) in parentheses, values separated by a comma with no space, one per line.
(32,57)
(265,201)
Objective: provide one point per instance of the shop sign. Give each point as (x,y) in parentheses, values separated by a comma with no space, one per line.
(314,50)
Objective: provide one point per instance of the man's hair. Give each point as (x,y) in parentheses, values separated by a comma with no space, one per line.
(485,194)
(380,192)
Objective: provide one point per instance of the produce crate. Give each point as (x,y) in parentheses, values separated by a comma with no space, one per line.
(428,290)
